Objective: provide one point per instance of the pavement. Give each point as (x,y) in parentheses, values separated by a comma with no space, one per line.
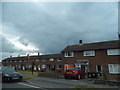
(46,82)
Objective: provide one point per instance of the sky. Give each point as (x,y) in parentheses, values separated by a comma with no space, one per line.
(48,27)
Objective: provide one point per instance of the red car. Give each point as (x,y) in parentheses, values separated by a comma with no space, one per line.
(74,72)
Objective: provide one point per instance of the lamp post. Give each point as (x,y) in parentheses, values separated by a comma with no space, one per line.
(33,63)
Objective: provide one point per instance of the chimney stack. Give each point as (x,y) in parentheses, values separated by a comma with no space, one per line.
(80,41)
(10,56)
(28,54)
(18,55)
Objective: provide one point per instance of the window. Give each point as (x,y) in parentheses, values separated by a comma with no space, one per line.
(89,53)
(43,60)
(43,66)
(69,54)
(59,59)
(98,68)
(114,68)
(51,59)
(37,60)
(113,52)
(30,66)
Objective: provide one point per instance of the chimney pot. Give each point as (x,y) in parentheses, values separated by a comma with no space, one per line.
(10,56)
(80,41)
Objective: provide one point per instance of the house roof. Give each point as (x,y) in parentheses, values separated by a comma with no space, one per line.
(47,56)
(93,46)
(35,57)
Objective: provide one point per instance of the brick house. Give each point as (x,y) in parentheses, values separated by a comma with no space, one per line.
(94,57)
(90,57)
(48,62)
(0,63)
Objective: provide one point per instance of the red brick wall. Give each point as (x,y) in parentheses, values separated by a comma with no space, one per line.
(100,58)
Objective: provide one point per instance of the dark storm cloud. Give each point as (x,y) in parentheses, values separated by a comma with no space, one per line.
(50,26)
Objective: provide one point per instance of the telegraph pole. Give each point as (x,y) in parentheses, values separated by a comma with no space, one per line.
(33,66)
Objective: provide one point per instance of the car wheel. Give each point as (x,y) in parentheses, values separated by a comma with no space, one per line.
(79,77)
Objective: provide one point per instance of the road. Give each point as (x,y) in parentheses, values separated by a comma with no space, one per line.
(19,85)
(46,83)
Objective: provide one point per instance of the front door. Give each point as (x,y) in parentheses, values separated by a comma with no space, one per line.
(83,67)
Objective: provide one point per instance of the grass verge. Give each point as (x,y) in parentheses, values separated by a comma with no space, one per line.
(28,73)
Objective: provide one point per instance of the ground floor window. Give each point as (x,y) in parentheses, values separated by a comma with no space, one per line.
(43,66)
(114,68)
(98,68)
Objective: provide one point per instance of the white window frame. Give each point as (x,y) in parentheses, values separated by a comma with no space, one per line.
(37,60)
(66,54)
(51,59)
(92,53)
(97,68)
(59,59)
(112,67)
(43,66)
(43,60)
(113,51)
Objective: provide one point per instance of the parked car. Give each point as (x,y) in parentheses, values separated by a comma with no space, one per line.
(74,72)
(9,74)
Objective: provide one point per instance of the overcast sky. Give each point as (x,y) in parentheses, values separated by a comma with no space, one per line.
(47,28)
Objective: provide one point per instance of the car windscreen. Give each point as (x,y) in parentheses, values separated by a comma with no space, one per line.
(74,68)
(7,70)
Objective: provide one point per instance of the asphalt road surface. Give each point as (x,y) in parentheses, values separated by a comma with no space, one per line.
(46,83)
(20,85)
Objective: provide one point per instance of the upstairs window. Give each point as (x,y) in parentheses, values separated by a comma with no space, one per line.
(69,54)
(20,61)
(59,59)
(89,53)
(43,60)
(51,59)
(113,52)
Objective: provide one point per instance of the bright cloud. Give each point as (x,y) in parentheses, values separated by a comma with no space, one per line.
(49,27)
(15,40)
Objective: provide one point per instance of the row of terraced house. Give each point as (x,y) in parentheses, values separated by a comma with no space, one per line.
(90,57)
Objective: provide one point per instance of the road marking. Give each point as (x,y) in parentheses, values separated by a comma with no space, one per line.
(28,85)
